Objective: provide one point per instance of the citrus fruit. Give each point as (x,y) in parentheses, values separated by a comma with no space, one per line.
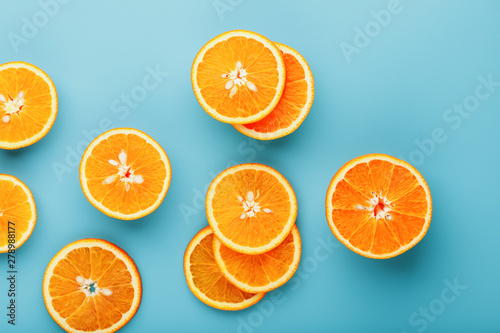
(205,279)
(378,206)
(238,77)
(261,272)
(125,173)
(294,104)
(28,104)
(17,213)
(92,285)
(251,208)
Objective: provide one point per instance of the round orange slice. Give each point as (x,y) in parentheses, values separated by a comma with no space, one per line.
(125,173)
(17,213)
(262,272)
(293,106)
(205,279)
(28,104)
(378,206)
(238,77)
(92,285)
(251,208)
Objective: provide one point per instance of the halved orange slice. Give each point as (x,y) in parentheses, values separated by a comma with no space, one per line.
(17,213)
(205,279)
(125,173)
(294,104)
(238,77)
(251,208)
(28,104)
(378,206)
(92,285)
(261,272)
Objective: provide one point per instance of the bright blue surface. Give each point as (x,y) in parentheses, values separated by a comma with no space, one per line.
(395,90)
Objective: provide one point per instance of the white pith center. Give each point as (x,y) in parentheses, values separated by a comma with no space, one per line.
(90,287)
(125,172)
(11,105)
(379,206)
(237,78)
(250,206)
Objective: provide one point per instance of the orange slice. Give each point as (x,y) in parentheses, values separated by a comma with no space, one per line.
(238,77)
(205,279)
(251,208)
(17,213)
(378,206)
(293,106)
(28,104)
(92,285)
(125,173)
(262,272)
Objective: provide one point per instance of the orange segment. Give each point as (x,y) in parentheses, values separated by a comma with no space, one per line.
(412,203)
(67,304)
(261,272)
(92,285)
(238,77)
(115,275)
(381,174)
(378,206)
(405,228)
(347,196)
(125,173)
(108,313)
(17,212)
(251,208)
(207,282)
(294,104)
(363,237)
(28,104)
(80,259)
(85,318)
(347,222)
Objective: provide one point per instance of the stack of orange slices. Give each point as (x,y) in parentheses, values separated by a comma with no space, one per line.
(264,89)
(251,245)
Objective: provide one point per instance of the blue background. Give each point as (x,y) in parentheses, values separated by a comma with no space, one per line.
(391,94)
